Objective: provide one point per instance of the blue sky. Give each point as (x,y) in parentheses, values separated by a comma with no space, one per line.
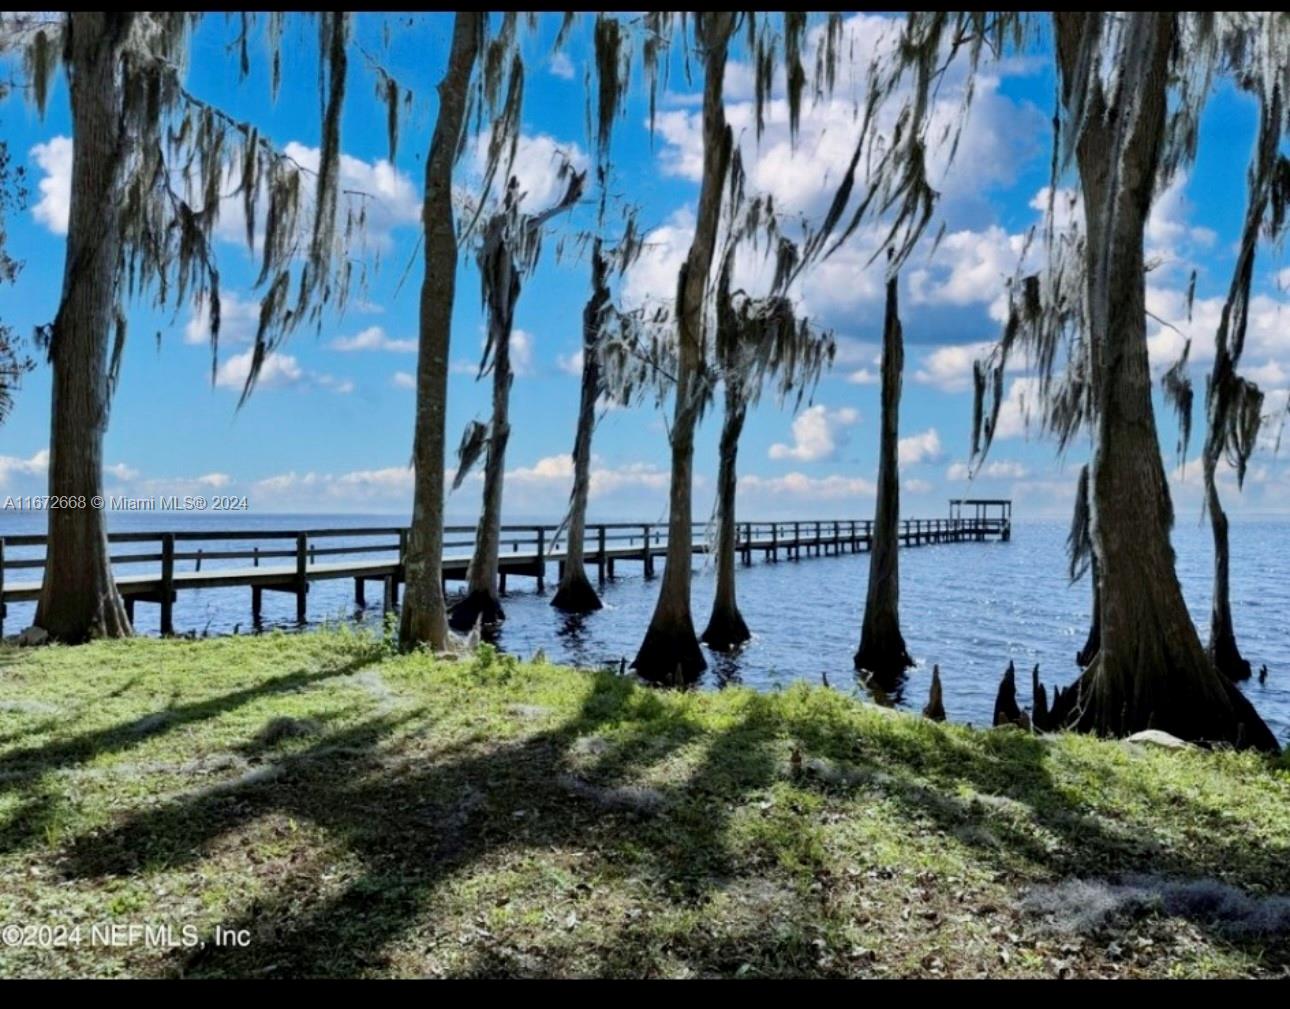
(330,428)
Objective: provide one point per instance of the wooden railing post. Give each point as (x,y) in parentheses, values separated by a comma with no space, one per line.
(600,560)
(167,584)
(774,541)
(198,565)
(255,554)
(541,558)
(302,575)
(647,556)
(2,602)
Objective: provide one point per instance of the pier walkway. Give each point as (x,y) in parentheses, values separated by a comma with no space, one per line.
(289,560)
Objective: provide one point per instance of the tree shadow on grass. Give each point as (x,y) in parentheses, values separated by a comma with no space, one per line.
(23,769)
(416,819)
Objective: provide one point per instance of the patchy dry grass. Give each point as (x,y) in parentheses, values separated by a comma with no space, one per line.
(364,814)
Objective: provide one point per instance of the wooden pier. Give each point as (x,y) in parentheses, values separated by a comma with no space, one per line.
(290,560)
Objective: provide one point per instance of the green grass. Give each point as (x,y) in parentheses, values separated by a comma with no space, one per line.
(359,813)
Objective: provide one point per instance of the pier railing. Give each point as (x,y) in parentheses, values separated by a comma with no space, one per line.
(288,560)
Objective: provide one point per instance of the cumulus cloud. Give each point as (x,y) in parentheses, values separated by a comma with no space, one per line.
(818,433)
(537,161)
(652,277)
(570,364)
(238,320)
(120,471)
(1018,408)
(561,66)
(404,380)
(919,448)
(388,195)
(55,160)
(949,368)
(278,371)
(1000,469)
(373,338)
(969,268)
(11,466)
(799,485)
(544,486)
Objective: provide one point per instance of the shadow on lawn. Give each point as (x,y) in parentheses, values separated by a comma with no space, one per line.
(415,822)
(23,768)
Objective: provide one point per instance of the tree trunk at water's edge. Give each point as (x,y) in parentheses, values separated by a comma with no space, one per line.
(882,652)
(575,594)
(78,594)
(1223,651)
(726,629)
(424,620)
(482,602)
(1151,670)
(670,652)
(1088,653)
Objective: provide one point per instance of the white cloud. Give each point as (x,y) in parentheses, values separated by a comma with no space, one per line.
(863,376)
(915,486)
(121,471)
(799,485)
(238,320)
(994,470)
(340,386)
(652,277)
(969,268)
(561,66)
(543,486)
(404,380)
(55,160)
(1019,405)
(949,368)
(277,370)
(521,352)
(999,139)
(570,364)
(373,338)
(10,465)
(389,196)
(537,161)
(1169,236)
(818,432)
(919,448)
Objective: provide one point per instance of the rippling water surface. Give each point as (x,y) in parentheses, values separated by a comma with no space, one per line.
(968,606)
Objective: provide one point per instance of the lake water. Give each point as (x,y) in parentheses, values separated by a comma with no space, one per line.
(971,607)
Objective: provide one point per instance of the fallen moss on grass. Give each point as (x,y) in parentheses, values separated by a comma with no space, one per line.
(359,813)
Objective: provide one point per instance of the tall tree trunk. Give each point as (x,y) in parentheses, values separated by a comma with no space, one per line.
(882,652)
(424,619)
(482,602)
(78,595)
(670,652)
(1088,653)
(1230,401)
(726,629)
(1223,651)
(1151,670)
(575,594)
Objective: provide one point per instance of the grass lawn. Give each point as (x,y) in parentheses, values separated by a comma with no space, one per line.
(358,813)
